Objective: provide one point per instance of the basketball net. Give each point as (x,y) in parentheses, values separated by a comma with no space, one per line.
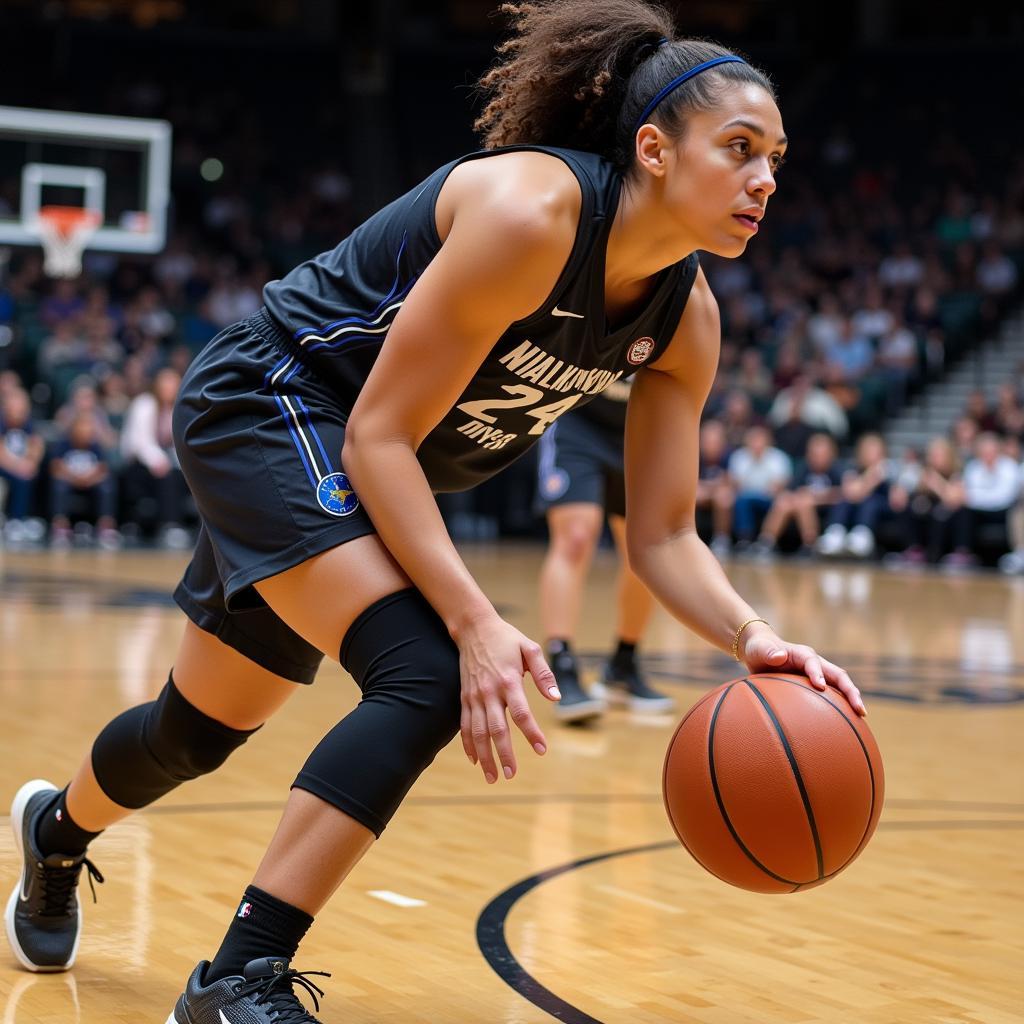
(64,232)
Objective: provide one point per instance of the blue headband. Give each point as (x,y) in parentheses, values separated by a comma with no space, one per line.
(684,77)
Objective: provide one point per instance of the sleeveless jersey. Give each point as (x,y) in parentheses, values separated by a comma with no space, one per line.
(338,308)
(607,411)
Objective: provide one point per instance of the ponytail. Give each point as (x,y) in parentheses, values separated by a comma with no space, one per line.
(579,73)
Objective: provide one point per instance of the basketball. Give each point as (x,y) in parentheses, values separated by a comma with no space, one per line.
(771,785)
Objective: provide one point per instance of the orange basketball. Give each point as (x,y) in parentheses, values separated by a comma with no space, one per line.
(772,785)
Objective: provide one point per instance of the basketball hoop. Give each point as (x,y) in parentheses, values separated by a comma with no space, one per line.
(64,232)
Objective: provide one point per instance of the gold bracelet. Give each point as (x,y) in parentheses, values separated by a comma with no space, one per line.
(739,633)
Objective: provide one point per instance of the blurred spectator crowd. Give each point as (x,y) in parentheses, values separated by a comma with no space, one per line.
(855,297)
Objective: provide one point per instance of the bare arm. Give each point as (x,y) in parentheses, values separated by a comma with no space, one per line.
(27,465)
(662,428)
(827,497)
(859,485)
(507,238)
(500,260)
(59,469)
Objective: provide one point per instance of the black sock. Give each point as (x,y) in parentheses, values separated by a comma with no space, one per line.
(262,926)
(625,654)
(556,646)
(57,833)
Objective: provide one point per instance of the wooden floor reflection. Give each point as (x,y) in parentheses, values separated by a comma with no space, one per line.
(925,927)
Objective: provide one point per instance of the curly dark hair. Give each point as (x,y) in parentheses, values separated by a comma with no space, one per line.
(578,74)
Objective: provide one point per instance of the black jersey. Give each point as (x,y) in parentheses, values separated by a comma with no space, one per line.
(338,308)
(608,410)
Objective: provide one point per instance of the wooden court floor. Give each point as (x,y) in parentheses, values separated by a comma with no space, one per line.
(561,895)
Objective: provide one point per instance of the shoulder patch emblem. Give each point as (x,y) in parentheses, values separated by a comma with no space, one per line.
(640,351)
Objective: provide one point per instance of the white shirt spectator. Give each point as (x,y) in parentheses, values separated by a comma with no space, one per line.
(901,270)
(898,347)
(817,409)
(825,329)
(762,475)
(872,323)
(997,274)
(992,488)
(141,435)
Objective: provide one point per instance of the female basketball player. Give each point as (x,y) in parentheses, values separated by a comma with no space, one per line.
(580,479)
(421,356)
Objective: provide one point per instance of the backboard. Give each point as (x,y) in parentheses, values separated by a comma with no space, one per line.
(118,167)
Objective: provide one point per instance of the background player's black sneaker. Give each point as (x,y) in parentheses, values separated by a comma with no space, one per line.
(44,918)
(576,705)
(262,994)
(625,684)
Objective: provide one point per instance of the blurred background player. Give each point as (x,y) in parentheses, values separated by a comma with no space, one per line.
(580,480)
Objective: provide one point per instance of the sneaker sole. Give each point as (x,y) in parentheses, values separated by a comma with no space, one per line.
(21,799)
(185,1018)
(613,695)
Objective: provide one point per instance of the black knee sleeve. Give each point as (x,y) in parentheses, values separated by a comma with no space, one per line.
(148,750)
(407,667)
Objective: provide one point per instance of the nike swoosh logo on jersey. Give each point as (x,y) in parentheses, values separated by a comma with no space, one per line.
(223,1019)
(561,312)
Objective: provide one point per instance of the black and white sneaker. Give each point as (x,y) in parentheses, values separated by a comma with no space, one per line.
(575,705)
(626,685)
(262,994)
(44,918)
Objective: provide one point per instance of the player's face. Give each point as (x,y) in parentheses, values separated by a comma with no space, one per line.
(724,167)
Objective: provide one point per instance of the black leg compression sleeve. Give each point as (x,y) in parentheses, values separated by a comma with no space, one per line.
(148,750)
(407,667)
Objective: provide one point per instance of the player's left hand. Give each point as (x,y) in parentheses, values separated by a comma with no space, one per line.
(766,652)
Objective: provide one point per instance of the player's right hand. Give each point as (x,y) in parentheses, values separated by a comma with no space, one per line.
(493,658)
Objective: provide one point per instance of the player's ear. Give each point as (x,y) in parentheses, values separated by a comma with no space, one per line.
(651,145)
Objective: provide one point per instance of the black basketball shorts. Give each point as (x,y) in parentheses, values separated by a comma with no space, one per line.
(580,462)
(259,440)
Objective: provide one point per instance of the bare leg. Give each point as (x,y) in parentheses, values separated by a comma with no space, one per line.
(635,602)
(1015,526)
(313,850)
(808,520)
(212,677)
(622,676)
(778,515)
(575,530)
(722,501)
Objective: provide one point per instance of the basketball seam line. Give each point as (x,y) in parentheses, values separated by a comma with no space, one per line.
(664,788)
(721,802)
(808,809)
(665,792)
(867,758)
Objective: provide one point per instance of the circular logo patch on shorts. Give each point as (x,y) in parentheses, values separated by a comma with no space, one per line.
(640,351)
(335,495)
(554,484)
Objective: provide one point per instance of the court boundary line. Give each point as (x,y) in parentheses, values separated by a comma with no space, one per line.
(494,947)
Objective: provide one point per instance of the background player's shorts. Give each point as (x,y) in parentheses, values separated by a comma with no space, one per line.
(259,439)
(580,462)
